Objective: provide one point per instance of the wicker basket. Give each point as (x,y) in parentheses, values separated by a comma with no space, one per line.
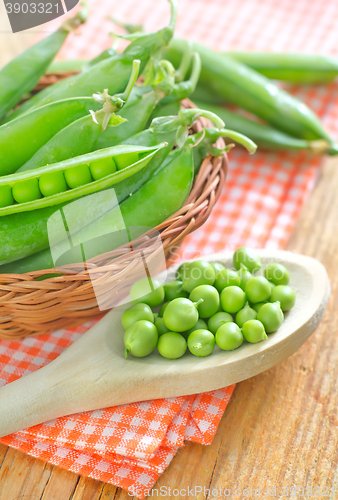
(30,307)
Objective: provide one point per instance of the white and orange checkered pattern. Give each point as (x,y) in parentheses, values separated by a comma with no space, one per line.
(131,445)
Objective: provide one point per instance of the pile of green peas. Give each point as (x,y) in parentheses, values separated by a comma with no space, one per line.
(208,304)
(49,184)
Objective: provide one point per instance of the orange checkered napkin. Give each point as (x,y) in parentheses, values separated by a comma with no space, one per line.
(131,445)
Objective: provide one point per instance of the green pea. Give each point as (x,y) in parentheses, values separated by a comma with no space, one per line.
(6,197)
(257,306)
(217,320)
(229,336)
(285,295)
(271,315)
(25,191)
(78,176)
(245,315)
(163,308)
(155,316)
(248,257)
(180,315)
(201,343)
(253,331)
(210,303)
(244,276)
(258,289)
(217,266)
(136,313)
(172,345)
(181,270)
(125,160)
(196,273)
(147,290)
(232,299)
(101,168)
(140,339)
(226,277)
(174,289)
(277,273)
(200,325)
(161,328)
(52,183)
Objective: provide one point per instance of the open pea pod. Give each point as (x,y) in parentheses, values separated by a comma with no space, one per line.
(72,178)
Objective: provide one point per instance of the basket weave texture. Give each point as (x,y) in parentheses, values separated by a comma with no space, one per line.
(30,307)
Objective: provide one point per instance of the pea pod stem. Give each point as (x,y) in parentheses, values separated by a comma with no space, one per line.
(184,66)
(80,18)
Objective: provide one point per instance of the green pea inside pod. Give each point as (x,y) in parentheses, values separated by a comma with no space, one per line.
(217,320)
(217,266)
(136,313)
(140,339)
(244,276)
(225,278)
(172,345)
(248,257)
(181,314)
(210,300)
(6,197)
(285,295)
(160,325)
(103,167)
(245,314)
(196,273)
(257,306)
(78,176)
(229,336)
(174,289)
(277,274)
(126,159)
(163,308)
(233,299)
(201,343)
(52,183)
(258,289)
(253,331)
(25,191)
(147,290)
(271,315)
(200,325)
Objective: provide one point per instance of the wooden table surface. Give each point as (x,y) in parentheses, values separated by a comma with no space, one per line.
(280,429)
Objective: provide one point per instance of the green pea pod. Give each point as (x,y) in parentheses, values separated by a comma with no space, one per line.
(162,129)
(23,137)
(81,136)
(112,73)
(239,84)
(267,137)
(294,68)
(21,75)
(147,207)
(86,163)
(24,233)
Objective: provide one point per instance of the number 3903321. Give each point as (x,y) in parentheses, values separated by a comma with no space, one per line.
(31,8)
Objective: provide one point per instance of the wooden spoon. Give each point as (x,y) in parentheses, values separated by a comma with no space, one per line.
(93,373)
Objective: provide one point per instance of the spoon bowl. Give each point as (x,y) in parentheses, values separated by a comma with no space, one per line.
(93,373)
